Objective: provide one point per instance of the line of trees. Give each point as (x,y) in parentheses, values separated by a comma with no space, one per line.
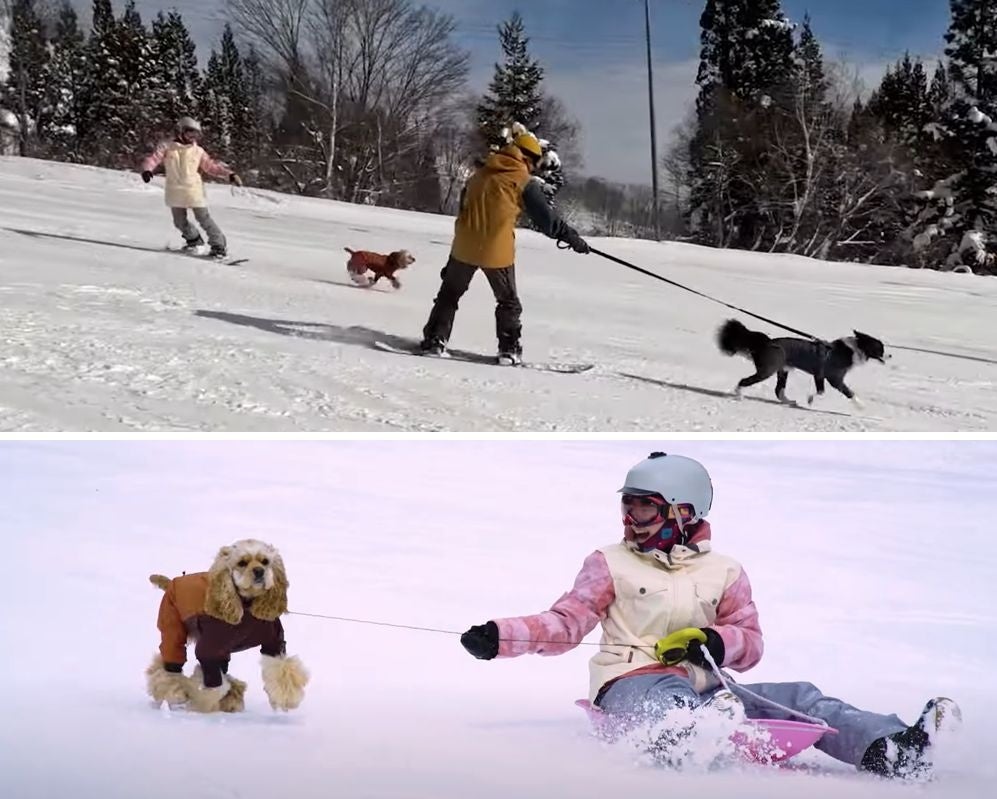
(783,154)
(359,100)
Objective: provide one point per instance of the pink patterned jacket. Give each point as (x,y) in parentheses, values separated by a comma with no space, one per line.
(577,612)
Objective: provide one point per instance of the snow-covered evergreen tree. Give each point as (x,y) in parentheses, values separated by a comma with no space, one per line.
(514,94)
(24,92)
(142,95)
(940,92)
(5,23)
(66,87)
(902,101)
(101,120)
(811,76)
(515,97)
(958,218)
(254,139)
(177,57)
(746,50)
(746,71)
(214,106)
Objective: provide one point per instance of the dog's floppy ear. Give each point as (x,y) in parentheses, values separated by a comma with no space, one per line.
(273,603)
(222,600)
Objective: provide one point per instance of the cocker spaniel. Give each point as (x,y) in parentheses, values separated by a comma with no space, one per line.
(363,261)
(234,606)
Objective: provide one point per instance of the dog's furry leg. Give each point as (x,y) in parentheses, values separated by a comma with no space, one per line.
(235,700)
(165,686)
(284,680)
(206,700)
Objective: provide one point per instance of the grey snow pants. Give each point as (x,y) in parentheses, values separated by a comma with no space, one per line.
(190,233)
(857,729)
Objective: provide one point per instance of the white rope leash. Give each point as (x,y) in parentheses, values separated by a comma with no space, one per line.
(724,677)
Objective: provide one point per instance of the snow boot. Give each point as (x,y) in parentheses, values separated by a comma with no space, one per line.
(193,244)
(510,353)
(907,754)
(433,348)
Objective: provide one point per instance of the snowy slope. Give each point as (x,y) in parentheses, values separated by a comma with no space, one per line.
(872,565)
(103,331)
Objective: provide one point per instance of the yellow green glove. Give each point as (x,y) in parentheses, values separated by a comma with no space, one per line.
(674,648)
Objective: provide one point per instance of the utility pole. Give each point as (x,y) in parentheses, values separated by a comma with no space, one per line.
(654,133)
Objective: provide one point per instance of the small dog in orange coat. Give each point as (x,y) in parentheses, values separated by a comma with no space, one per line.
(362,261)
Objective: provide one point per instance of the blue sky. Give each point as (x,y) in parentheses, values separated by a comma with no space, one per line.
(594,54)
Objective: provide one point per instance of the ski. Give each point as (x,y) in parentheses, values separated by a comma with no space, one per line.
(412,348)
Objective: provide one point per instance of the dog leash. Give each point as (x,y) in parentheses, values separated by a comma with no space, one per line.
(675,283)
(453,632)
(726,680)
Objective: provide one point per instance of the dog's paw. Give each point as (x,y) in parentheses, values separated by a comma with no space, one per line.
(207,700)
(810,399)
(284,680)
(857,402)
(235,700)
(165,686)
(736,393)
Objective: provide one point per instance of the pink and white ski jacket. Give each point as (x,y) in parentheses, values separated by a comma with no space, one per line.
(183,164)
(639,598)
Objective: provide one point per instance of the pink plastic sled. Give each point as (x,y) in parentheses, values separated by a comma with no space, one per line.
(783,740)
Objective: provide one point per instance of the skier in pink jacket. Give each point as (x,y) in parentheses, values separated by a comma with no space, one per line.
(183,160)
(663,596)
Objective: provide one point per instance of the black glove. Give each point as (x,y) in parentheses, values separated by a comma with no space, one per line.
(146,176)
(482,641)
(578,244)
(714,644)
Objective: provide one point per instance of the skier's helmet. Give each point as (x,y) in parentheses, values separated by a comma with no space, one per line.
(681,482)
(187,125)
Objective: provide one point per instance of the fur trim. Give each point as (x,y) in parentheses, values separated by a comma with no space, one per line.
(206,700)
(235,700)
(159,581)
(165,686)
(272,604)
(222,600)
(284,680)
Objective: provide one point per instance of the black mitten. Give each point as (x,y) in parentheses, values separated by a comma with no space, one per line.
(482,640)
(714,644)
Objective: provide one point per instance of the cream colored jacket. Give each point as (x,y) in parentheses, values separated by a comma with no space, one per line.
(183,164)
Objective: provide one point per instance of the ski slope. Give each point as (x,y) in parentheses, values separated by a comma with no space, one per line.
(102,331)
(872,565)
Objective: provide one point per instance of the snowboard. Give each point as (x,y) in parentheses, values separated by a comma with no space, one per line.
(206,256)
(559,367)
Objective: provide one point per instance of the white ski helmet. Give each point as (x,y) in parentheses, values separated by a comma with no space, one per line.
(188,123)
(676,478)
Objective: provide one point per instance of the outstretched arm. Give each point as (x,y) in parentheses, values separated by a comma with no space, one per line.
(215,169)
(544,217)
(569,620)
(155,158)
